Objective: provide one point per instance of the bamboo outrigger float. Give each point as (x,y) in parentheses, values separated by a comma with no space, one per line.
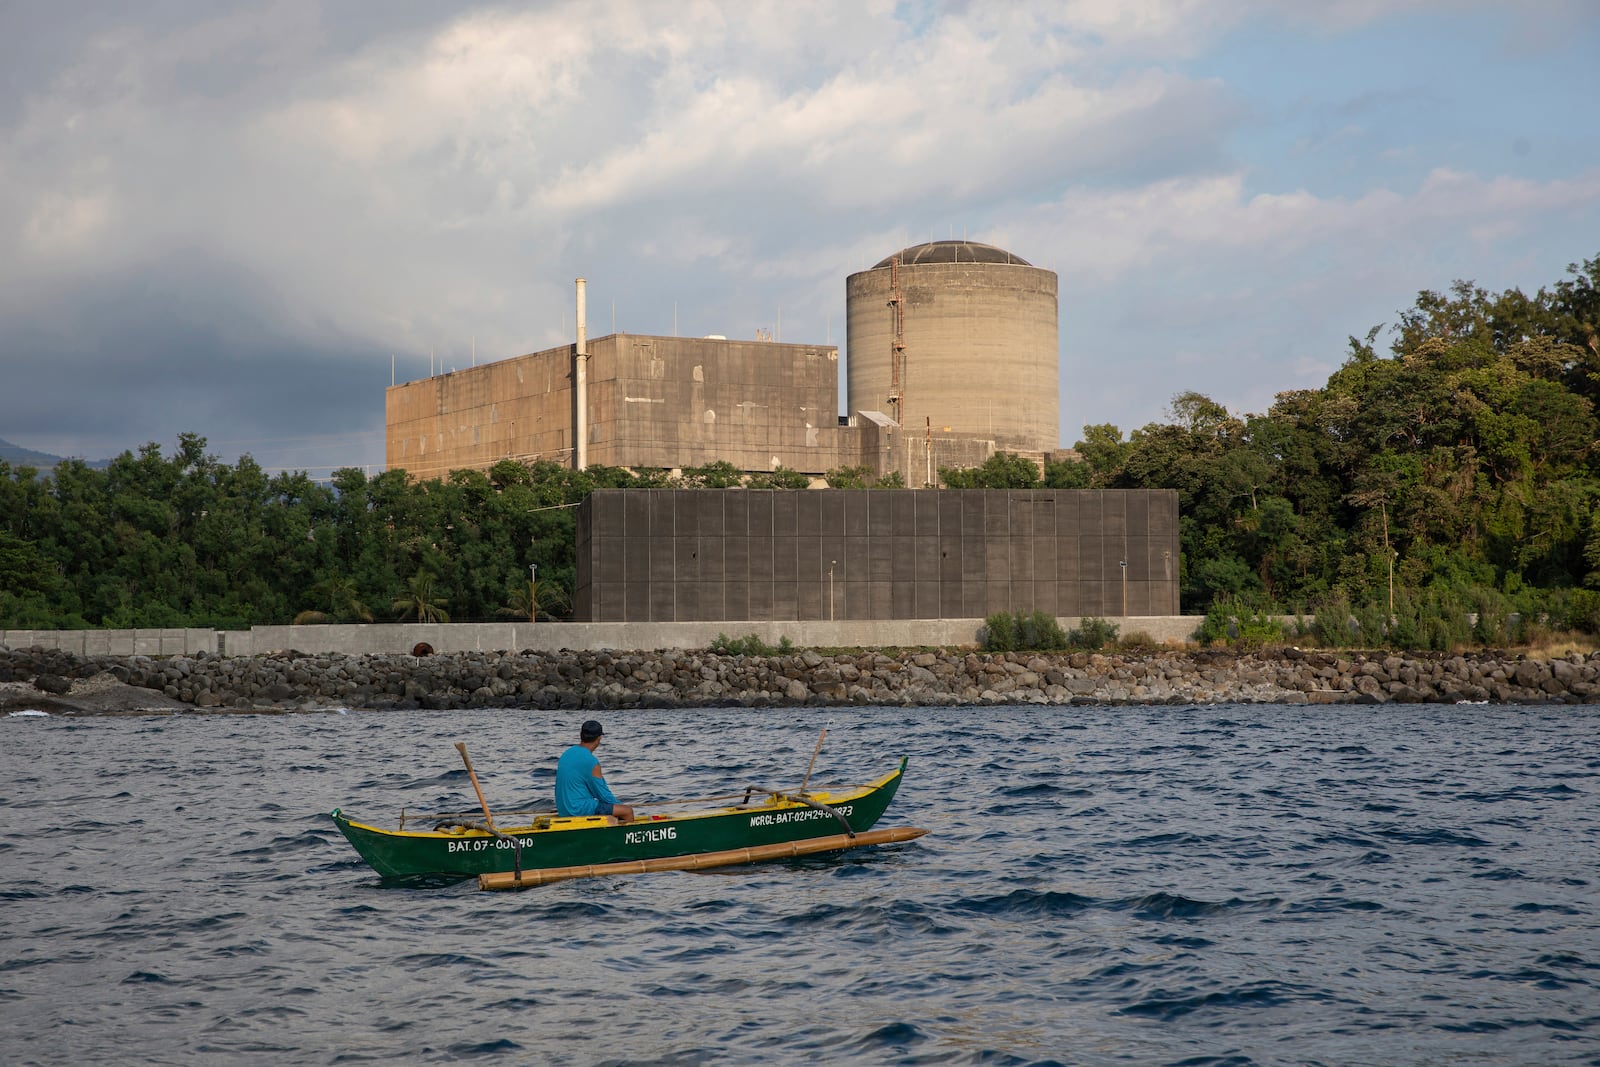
(759,825)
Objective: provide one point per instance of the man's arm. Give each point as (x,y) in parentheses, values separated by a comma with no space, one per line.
(599,788)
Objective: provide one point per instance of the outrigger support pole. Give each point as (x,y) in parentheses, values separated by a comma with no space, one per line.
(702,860)
(801,798)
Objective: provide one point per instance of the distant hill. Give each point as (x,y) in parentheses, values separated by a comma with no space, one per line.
(18,456)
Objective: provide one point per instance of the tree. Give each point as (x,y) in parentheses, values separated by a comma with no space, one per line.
(340,599)
(535,600)
(420,601)
(781,477)
(849,478)
(1103,449)
(1003,470)
(1199,414)
(1067,474)
(22,568)
(719,474)
(862,478)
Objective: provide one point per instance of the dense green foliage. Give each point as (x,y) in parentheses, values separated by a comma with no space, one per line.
(1461,469)
(1445,493)
(184,540)
(1035,632)
(1092,634)
(1229,623)
(750,645)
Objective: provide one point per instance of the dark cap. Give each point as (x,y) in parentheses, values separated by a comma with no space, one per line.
(589,731)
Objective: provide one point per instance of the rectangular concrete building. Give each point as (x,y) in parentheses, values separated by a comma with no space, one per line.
(664,555)
(663,403)
(653,402)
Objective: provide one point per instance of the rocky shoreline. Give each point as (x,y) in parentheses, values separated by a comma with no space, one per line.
(58,682)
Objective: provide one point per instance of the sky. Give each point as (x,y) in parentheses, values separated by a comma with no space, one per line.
(244,219)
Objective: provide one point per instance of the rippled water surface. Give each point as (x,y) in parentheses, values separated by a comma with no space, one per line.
(1228,885)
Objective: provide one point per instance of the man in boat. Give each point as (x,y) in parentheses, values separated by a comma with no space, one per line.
(580,786)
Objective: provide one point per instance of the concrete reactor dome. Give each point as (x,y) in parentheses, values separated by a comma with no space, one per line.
(952,252)
(957,338)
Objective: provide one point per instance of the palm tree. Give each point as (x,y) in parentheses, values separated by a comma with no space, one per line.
(420,601)
(343,601)
(536,600)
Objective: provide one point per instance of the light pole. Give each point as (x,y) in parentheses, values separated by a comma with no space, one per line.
(533,592)
(1124,565)
(831,564)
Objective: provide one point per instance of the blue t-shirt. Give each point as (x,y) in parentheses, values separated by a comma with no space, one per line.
(578,791)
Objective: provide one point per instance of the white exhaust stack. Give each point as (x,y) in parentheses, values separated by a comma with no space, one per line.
(580,384)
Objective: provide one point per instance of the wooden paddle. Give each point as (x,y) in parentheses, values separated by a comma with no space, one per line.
(814,752)
(462,748)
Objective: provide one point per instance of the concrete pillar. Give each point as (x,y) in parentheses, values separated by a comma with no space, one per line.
(580,384)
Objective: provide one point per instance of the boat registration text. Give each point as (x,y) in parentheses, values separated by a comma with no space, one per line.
(775,818)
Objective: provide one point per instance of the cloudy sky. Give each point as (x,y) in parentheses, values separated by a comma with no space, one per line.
(229,218)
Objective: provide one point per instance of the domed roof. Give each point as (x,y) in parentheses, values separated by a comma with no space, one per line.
(953,252)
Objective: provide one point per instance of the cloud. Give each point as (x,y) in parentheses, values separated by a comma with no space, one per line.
(1105,235)
(1272,283)
(393,189)
(245,185)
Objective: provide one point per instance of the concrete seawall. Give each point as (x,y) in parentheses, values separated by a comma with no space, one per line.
(390,638)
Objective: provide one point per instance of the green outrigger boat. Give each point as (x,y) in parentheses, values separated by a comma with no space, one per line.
(757,825)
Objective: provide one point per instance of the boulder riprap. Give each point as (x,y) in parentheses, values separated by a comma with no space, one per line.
(667,679)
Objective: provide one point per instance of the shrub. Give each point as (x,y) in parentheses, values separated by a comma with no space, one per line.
(1092,635)
(1582,611)
(1213,629)
(1037,632)
(750,645)
(1138,641)
(1040,632)
(1331,623)
(1000,632)
(1236,623)
(780,477)
(1257,630)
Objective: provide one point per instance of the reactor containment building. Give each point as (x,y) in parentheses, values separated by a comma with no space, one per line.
(952,356)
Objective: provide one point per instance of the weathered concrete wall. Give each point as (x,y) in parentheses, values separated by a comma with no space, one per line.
(163,642)
(717,555)
(517,408)
(653,402)
(553,636)
(662,403)
(393,639)
(919,454)
(678,402)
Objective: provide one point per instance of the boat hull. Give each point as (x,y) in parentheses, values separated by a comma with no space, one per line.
(596,840)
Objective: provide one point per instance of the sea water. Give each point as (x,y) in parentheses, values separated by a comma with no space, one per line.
(1131,885)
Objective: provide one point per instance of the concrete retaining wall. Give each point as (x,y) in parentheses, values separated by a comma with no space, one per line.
(546,636)
(162,642)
